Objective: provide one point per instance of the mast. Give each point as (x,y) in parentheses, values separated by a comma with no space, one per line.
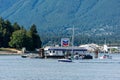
(73,36)
(72,42)
(105,47)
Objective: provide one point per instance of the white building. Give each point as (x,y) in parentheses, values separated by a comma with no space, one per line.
(90,47)
(61,51)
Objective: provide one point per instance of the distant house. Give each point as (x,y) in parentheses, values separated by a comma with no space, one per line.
(91,47)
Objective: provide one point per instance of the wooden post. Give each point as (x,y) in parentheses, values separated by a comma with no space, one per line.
(41,53)
(96,54)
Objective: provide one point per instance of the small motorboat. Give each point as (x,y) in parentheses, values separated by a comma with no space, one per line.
(64,60)
(24,56)
(30,55)
(106,57)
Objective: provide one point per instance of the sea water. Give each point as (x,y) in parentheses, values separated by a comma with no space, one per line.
(17,68)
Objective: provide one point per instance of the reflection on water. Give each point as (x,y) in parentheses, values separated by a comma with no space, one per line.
(17,68)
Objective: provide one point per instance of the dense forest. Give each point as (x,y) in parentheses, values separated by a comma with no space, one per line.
(54,36)
(96,21)
(16,36)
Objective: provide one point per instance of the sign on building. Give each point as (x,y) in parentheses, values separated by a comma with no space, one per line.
(65,42)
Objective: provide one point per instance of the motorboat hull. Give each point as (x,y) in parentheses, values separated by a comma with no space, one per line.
(64,60)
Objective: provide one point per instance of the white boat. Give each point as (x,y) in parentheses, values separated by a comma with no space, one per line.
(106,57)
(64,60)
(24,56)
(30,55)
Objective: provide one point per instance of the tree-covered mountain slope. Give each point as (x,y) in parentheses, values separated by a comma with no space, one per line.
(90,17)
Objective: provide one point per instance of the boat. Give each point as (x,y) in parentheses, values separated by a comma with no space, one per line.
(30,55)
(24,56)
(106,57)
(64,60)
(87,56)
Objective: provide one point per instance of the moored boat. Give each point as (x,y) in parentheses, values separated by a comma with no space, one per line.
(106,57)
(24,56)
(64,60)
(30,55)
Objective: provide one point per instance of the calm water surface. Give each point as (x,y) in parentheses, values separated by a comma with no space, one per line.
(17,68)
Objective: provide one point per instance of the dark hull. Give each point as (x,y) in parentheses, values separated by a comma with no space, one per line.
(24,56)
(55,57)
(88,57)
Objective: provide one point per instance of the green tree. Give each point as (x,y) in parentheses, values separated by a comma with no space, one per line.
(1,20)
(7,30)
(0,39)
(35,37)
(33,28)
(19,39)
(1,32)
(8,26)
(16,26)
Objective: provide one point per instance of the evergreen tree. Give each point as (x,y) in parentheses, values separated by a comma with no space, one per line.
(0,39)
(1,20)
(7,30)
(33,28)
(8,26)
(16,26)
(1,31)
(35,37)
(30,45)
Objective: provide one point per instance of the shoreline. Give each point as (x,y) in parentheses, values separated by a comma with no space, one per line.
(10,53)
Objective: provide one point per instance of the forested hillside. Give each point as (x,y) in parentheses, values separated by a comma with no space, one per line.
(95,20)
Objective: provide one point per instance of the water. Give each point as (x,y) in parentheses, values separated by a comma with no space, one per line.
(17,68)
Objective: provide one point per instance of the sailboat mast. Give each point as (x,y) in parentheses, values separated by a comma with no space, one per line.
(73,37)
(72,42)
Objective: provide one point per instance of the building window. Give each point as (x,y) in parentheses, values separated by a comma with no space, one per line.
(63,52)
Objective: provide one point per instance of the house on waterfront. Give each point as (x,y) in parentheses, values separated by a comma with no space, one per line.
(91,47)
(61,52)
